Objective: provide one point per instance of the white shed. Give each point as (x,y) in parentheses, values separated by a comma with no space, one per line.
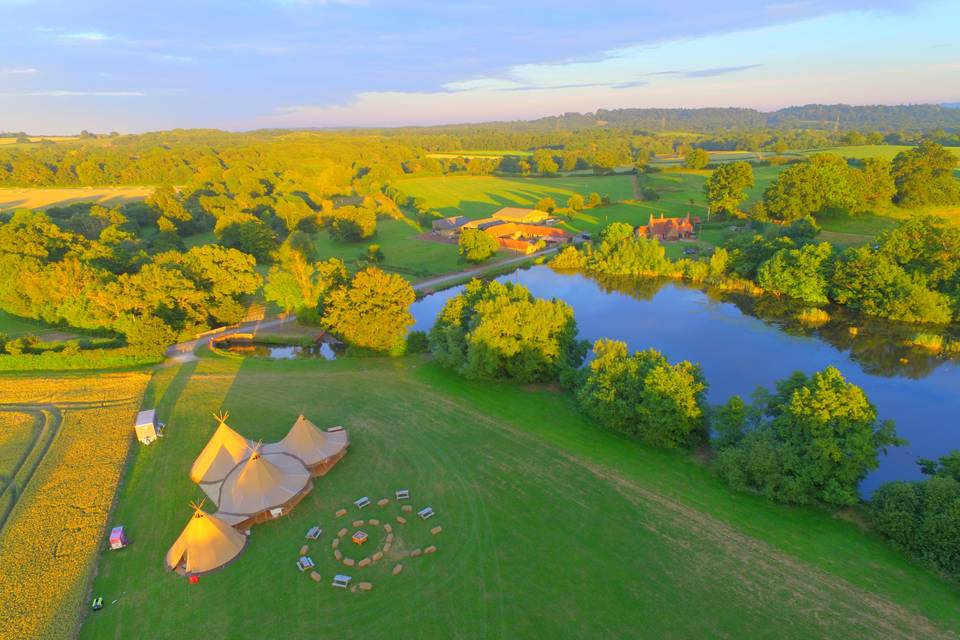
(146,426)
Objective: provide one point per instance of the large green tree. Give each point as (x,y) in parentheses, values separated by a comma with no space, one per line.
(815,439)
(726,187)
(372,312)
(298,282)
(924,176)
(802,273)
(644,395)
(494,330)
(475,245)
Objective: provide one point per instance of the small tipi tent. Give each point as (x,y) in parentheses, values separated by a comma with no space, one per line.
(224,451)
(317,449)
(205,544)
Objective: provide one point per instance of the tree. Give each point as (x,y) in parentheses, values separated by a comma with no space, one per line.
(168,202)
(296,283)
(352,224)
(250,236)
(544,162)
(547,204)
(814,440)
(594,200)
(575,202)
(726,187)
(924,176)
(475,245)
(644,395)
(809,188)
(621,253)
(373,312)
(500,331)
(801,273)
(696,159)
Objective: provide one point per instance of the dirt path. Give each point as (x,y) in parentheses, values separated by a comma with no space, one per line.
(448,278)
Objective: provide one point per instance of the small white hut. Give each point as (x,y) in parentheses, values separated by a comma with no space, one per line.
(146,426)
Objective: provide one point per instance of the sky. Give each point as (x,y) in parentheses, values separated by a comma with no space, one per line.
(109,65)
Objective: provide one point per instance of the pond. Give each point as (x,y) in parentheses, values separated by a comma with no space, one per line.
(740,351)
(280,352)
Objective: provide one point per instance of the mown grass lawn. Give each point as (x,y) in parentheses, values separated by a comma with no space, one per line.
(552,527)
(479,196)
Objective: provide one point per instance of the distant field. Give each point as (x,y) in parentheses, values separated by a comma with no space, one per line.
(483,153)
(478,196)
(40,138)
(888,151)
(552,526)
(42,197)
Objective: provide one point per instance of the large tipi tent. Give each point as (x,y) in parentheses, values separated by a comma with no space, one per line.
(206,543)
(318,450)
(263,483)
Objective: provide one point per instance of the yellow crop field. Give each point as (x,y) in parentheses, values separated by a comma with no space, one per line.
(40,197)
(51,538)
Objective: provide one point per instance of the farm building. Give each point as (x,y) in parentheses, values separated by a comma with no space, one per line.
(146,426)
(526,237)
(449,227)
(517,214)
(206,543)
(666,228)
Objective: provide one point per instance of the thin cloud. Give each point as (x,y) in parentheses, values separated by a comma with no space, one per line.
(85,36)
(630,85)
(72,94)
(24,71)
(705,73)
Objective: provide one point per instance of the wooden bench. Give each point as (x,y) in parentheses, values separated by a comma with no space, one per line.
(304,563)
(425,513)
(403,494)
(362,502)
(313,533)
(341,581)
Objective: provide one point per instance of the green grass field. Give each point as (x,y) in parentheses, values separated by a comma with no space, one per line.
(552,527)
(479,196)
(888,151)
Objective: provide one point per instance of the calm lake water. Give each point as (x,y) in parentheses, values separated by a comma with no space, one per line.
(283,352)
(739,351)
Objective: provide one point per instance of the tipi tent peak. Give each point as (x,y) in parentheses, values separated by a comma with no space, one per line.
(206,543)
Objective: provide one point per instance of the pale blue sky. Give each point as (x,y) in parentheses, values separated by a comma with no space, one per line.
(133,66)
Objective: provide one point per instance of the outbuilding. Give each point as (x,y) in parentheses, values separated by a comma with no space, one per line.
(146,426)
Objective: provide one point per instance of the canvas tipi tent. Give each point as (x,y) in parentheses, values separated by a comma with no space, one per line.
(318,450)
(225,450)
(205,544)
(263,484)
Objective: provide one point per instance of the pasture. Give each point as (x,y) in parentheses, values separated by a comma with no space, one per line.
(479,196)
(552,527)
(858,152)
(42,197)
(64,444)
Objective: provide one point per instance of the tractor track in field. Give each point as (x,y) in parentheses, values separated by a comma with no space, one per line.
(47,419)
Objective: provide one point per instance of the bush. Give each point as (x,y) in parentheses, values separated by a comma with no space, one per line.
(418,342)
(475,245)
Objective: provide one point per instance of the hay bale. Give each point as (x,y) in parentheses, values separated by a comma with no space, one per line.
(341,512)
(436,530)
(303,550)
(373,522)
(377,556)
(364,563)
(335,543)
(338,554)
(365,586)
(388,527)
(349,562)
(401,520)
(386,547)
(407,508)
(415,553)
(389,537)
(315,576)
(357,523)
(397,569)
(382,502)
(353,589)
(342,532)
(430,549)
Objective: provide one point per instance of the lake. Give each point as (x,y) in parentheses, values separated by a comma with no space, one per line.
(740,351)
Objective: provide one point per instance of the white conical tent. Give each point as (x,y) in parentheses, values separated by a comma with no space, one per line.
(261,483)
(205,544)
(224,451)
(309,443)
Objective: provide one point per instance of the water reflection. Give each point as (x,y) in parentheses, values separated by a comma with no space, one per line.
(743,342)
(281,352)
